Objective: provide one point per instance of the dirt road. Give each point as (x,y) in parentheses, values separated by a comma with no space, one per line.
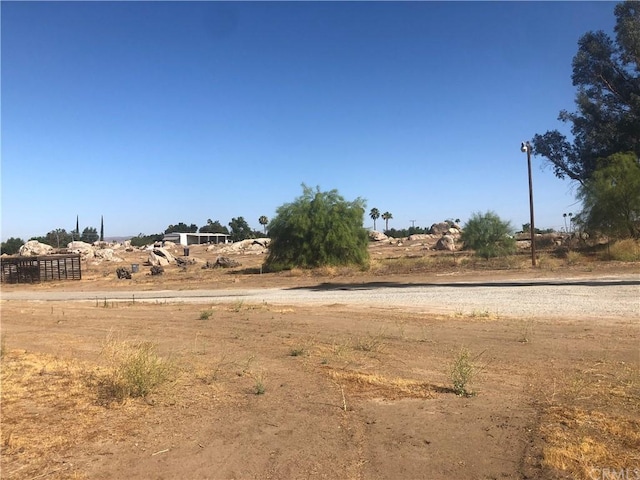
(603,297)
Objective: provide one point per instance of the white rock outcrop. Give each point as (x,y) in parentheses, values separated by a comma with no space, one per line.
(163,252)
(376,236)
(34,247)
(446,242)
(106,254)
(157,260)
(84,249)
(250,246)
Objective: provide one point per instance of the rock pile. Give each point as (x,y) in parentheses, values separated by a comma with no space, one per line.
(250,246)
(122,272)
(222,262)
(157,270)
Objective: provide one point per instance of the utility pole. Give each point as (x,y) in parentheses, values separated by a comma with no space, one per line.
(526,147)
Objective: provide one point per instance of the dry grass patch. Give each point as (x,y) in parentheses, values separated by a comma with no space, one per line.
(373,343)
(135,370)
(591,426)
(625,251)
(381,386)
(41,393)
(582,442)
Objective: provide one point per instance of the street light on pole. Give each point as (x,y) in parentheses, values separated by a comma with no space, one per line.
(526,147)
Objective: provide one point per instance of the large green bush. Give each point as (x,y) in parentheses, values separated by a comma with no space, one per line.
(318,229)
(488,235)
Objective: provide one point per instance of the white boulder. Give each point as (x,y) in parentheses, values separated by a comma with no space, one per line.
(376,236)
(157,260)
(84,249)
(34,247)
(163,252)
(106,254)
(446,242)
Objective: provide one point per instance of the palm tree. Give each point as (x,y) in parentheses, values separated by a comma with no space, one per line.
(570,223)
(386,216)
(264,221)
(374,214)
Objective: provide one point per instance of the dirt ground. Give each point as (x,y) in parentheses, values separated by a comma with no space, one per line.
(265,391)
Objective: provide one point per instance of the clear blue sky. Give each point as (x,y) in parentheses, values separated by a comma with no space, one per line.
(157,113)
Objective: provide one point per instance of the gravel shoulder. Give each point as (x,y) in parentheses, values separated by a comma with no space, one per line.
(610,297)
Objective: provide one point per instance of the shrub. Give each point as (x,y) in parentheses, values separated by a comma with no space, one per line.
(136,369)
(463,370)
(488,235)
(625,250)
(318,229)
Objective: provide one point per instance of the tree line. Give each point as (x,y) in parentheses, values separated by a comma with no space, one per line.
(238,229)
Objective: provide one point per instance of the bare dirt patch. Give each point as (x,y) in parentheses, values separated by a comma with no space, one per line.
(332,391)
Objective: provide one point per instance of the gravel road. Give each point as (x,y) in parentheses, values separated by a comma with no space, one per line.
(616,297)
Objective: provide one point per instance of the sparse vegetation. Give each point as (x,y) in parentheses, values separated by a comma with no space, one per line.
(348,356)
(463,370)
(205,314)
(627,250)
(135,369)
(526,331)
(371,343)
(259,387)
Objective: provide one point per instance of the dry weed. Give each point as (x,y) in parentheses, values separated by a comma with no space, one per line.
(627,250)
(379,385)
(135,369)
(41,393)
(591,424)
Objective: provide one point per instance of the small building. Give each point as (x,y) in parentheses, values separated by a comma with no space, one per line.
(186,239)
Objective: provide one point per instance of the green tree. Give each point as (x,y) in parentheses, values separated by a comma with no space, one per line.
(101,228)
(607,120)
(182,228)
(318,229)
(11,246)
(264,221)
(56,238)
(375,215)
(386,216)
(141,240)
(611,197)
(240,229)
(89,235)
(214,227)
(488,235)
